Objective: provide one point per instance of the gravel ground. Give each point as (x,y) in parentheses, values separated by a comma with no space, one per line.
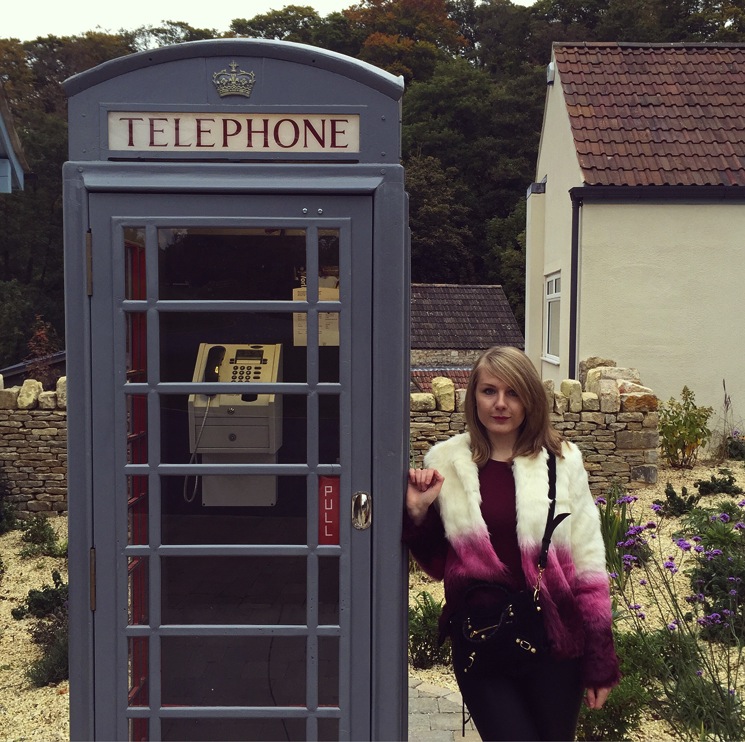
(28,713)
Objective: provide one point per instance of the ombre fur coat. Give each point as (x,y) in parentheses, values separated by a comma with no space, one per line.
(575,591)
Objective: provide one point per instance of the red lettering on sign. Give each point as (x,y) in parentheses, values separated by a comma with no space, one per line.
(337,132)
(309,128)
(154,131)
(177,133)
(295,133)
(328,511)
(263,130)
(201,131)
(130,127)
(226,133)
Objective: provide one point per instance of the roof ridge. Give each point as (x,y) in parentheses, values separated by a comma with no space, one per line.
(652,44)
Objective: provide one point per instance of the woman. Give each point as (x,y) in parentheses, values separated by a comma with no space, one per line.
(477,512)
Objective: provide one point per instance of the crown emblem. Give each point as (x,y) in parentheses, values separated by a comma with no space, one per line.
(234,82)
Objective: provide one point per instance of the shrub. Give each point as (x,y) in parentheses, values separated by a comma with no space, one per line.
(51,634)
(735,446)
(8,520)
(424,648)
(44,602)
(683,429)
(724,485)
(40,539)
(676,504)
(621,712)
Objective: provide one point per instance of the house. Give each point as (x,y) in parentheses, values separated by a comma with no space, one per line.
(12,161)
(451,325)
(636,219)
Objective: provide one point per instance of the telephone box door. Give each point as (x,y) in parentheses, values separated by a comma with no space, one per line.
(231,466)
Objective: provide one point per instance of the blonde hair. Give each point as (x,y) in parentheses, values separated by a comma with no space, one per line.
(514,368)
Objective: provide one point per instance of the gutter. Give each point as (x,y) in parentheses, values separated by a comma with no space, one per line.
(574,283)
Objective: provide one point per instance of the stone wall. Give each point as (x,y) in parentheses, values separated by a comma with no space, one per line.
(438,357)
(33,447)
(609,414)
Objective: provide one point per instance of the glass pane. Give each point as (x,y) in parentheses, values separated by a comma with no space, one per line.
(136,429)
(328,730)
(262,341)
(138,685)
(136,352)
(138,730)
(328,434)
(223,263)
(234,590)
(233,671)
(328,671)
(137,582)
(328,591)
(185,520)
(236,730)
(137,509)
(553,327)
(240,428)
(134,265)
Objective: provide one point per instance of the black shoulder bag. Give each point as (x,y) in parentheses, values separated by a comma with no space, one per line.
(511,635)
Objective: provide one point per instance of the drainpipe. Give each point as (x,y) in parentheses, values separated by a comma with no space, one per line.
(574,286)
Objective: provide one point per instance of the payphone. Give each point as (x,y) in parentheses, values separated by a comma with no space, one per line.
(241,428)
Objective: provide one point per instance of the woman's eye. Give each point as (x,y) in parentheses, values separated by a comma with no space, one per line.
(512,393)
(488,390)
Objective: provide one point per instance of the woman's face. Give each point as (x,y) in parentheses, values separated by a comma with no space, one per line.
(499,410)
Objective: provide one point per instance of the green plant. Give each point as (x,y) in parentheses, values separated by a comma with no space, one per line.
(724,485)
(8,520)
(683,429)
(735,445)
(621,713)
(41,539)
(424,647)
(40,603)
(51,634)
(693,682)
(677,504)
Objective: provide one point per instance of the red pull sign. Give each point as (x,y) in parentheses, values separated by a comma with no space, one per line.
(328,511)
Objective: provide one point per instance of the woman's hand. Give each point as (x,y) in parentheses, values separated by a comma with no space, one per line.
(424,487)
(596,697)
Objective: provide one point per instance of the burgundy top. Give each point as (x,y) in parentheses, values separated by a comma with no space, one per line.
(432,550)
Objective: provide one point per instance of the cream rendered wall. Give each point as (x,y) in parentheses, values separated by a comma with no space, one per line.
(661,289)
(557,162)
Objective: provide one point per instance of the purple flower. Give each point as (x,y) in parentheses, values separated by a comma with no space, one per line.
(698,548)
(651,524)
(642,582)
(739,526)
(724,518)
(733,593)
(699,673)
(670,565)
(697,539)
(683,545)
(613,575)
(600,501)
(626,499)
(741,503)
(656,507)
(673,625)
(711,553)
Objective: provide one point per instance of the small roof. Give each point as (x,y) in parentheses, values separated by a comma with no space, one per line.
(462,317)
(11,150)
(656,114)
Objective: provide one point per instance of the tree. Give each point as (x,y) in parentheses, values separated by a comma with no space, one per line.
(439,231)
(170,32)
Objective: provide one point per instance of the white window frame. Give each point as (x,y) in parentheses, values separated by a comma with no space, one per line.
(552,317)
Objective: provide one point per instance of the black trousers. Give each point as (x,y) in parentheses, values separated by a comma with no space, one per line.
(542,705)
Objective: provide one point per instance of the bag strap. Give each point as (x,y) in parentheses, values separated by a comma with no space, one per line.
(551,521)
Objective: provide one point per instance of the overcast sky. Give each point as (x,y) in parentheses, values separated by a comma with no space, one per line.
(27,19)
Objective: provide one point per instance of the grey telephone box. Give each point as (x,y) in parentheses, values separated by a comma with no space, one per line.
(237,344)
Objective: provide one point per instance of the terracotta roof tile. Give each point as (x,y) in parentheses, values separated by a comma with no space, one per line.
(665,114)
(422,377)
(462,317)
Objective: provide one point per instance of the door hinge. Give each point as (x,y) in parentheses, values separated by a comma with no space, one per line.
(92,577)
(89,262)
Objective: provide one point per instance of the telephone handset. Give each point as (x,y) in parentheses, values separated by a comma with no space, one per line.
(215,357)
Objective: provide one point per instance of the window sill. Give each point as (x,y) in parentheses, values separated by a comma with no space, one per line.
(553,360)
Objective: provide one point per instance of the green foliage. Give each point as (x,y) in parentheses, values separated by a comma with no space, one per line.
(8,519)
(44,602)
(683,429)
(51,634)
(620,715)
(735,444)
(424,648)
(41,539)
(724,485)
(676,504)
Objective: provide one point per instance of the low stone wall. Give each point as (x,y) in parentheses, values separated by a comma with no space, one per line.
(33,447)
(610,415)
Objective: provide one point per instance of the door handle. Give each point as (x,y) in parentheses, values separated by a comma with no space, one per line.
(361,510)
